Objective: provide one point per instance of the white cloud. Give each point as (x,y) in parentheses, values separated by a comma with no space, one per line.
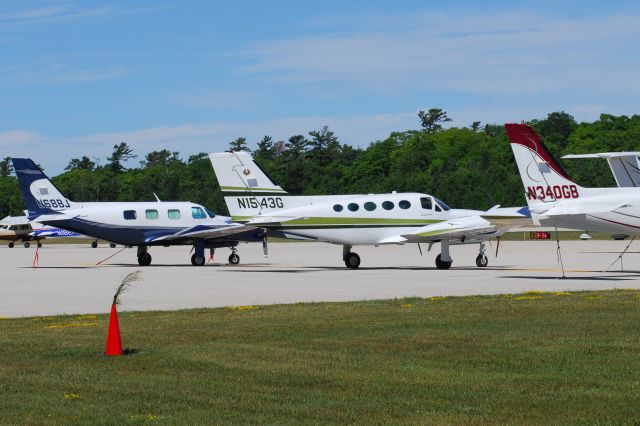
(485,54)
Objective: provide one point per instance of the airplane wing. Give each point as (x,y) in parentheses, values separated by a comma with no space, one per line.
(210,232)
(455,229)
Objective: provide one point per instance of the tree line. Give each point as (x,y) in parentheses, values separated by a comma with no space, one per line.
(467,167)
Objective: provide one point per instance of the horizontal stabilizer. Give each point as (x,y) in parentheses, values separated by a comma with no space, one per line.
(582,209)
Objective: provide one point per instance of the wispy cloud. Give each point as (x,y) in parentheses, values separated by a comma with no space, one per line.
(56,74)
(485,54)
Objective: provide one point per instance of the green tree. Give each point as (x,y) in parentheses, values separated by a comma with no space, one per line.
(121,154)
(160,158)
(239,144)
(83,163)
(265,149)
(431,120)
(6,167)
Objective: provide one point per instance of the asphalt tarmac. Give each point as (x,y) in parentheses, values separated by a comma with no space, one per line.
(68,281)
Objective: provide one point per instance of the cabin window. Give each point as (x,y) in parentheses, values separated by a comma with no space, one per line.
(198,213)
(337,207)
(404,204)
(13,228)
(129,214)
(173,214)
(387,205)
(353,207)
(369,206)
(426,203)
(151,214)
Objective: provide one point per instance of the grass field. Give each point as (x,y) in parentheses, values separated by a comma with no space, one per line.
(528,358)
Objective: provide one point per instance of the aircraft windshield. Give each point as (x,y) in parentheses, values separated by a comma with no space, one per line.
(442,204)
(210,213)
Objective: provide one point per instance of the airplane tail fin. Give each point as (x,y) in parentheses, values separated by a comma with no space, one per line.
(544,179)
(247,188)
(237,172)
(40,194)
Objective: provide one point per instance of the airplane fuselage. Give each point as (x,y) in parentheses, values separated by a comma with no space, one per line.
(135,223)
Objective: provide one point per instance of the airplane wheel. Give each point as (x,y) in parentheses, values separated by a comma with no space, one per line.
(440,264)
(94,244)
(144,259)
(112,245)
(482,261)
(352,260)
(27,244)
(197,260)
(39,244)
(234,259)
(11,244)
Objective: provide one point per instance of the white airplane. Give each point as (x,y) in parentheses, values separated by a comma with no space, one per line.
(14,228)
(141,224)
(625,166)
(349,220)
(555,200)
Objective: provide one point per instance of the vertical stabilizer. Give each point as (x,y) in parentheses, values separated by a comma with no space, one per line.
(544,179)
(237,172)
(40,194)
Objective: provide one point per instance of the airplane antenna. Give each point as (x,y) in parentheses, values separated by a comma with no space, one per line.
(620,256)
(242,180)
(154,194)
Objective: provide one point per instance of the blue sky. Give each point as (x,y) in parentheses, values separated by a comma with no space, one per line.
(78,77)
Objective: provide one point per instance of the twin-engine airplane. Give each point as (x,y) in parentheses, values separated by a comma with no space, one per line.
(555,200)
(141,224)
(349,220)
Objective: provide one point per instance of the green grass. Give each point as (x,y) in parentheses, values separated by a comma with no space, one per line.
(534,358)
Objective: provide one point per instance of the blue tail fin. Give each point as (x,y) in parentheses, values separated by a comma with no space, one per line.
(40,194)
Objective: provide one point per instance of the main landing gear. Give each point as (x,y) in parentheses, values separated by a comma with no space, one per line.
(482,261)
(144,258)
(351,259)
(443,260)
(234,259)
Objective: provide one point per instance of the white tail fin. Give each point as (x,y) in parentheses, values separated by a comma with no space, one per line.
(237,172)
(544,180)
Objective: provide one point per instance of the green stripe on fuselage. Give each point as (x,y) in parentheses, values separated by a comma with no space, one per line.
(328,222)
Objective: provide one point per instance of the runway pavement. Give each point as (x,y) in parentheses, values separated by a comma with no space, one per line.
(67,279)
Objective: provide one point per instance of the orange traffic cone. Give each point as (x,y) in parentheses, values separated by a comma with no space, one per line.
(114,342)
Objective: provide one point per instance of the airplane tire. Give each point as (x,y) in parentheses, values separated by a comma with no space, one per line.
(94,244)
(352,260)
(482,261)
(27,244)
(144,259)
(197,260)
(440,264)
(234,259)
(11,244)
(39,244)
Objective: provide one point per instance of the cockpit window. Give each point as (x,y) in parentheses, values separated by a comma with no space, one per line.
(426,203)
(443,205)
(198,213)
(210,213)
